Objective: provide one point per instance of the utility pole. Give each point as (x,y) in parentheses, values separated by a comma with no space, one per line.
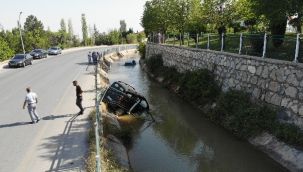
(19,25)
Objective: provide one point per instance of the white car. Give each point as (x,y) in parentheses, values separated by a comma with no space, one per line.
(54,51)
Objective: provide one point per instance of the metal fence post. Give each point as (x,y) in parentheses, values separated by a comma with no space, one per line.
(241,42)
(197,40)
(264,45)
(188,39)
(174,39)
(297,48)
(180,40)
(222,42)
(208,40)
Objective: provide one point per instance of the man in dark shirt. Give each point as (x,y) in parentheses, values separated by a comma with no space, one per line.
(79,97)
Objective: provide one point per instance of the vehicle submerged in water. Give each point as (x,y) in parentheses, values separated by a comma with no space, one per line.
(123,97)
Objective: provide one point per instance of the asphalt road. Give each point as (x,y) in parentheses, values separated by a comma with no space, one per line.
(59,141)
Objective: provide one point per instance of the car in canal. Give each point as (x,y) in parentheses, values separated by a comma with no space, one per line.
(20,60)
(54,51)
(39,53)
(123,97)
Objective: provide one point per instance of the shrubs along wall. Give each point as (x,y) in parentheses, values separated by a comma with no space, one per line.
(279,83)
(232,109)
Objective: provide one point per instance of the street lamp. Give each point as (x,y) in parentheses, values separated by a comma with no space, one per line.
(19,25)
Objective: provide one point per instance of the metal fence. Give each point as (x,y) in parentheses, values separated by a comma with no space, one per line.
(287,47)
(99,95)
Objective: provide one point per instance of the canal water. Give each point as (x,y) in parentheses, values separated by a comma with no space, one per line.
(181,139)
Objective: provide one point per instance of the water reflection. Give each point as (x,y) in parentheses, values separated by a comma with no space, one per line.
(182,140)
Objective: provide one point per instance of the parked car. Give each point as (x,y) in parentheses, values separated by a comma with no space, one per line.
(39,53)
(54,51)
(20,60)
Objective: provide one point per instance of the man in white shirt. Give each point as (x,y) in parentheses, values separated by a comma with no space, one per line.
(31,100)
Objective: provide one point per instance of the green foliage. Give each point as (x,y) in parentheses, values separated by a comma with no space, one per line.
(292,134)
(155,64)
(142,50)
(131,38)
(141,37)
(242,117)
(5,51)
(199,86)
(84,29)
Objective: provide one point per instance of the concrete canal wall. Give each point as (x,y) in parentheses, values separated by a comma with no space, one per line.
(276,82)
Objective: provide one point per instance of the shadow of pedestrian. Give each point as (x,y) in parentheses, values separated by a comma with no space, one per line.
(14,124)
(68,149)
(53,117)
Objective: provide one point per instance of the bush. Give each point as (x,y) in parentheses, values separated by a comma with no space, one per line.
(199,86)
(288,133)
(142,50)
(154,64)
(241,117)
(131,38)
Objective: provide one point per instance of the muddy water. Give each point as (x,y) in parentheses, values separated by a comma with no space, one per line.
(181,139)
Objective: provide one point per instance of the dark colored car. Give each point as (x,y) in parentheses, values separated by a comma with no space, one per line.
(54,51)
(39,53)
(121,96)
(20,60)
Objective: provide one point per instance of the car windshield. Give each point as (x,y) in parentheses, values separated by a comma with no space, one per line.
(19,57)
(37,51)
(53,48)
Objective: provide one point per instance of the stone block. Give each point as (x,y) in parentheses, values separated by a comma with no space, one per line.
(274,86)
(265,72)
(259,70)
(292,79)
(252,69)
(276,100)
(285,102)
(291,92)
(301,111)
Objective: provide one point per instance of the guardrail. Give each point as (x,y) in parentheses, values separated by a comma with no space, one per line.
(98,98)
(282,47)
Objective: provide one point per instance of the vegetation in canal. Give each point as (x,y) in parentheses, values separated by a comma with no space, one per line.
(107,161)
(234,110)
(141,49)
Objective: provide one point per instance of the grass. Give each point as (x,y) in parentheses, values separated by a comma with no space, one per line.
(233,110)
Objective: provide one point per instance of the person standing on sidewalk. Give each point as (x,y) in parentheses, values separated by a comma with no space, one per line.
(31,99)
(79,97)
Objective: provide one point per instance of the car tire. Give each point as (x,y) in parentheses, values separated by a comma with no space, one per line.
(31,62)
(23,64)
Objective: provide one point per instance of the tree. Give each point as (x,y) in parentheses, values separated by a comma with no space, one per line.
(70,28)
(62,25)
(63,35)
(5,51)
(34,34)
(157,16)
(84,30)
(122,26)
(277,13)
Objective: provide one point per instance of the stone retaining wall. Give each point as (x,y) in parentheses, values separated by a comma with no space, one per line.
(276,82)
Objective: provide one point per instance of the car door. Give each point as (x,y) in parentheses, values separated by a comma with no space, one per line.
(28,59)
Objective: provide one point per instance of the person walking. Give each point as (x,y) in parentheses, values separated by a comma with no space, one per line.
(89,56)
(79,97)
(31,100)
